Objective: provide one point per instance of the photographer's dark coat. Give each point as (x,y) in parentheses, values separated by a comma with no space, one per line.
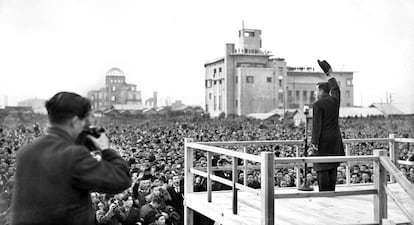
(54,178)
(325,127)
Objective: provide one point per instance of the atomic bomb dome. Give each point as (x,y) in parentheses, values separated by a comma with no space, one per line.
(115,71)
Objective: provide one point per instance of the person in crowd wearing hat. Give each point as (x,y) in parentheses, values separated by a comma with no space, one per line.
(55,176)
(326,135)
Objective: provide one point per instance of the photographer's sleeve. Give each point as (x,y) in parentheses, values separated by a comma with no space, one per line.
(110,175)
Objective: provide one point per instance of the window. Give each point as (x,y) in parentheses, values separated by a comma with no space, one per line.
(312,96)
(348,94)
(290,100)
(305,96)
(219,106)
(249,79)
(269,80)
(297,96)
(113,88)
(215,103)
(214,72)
(219,69)
(113,98)
(209,96)
(348,82)
(280,97)
(208,83)
(280,70)
(280,83)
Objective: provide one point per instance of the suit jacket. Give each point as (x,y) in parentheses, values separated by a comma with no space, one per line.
(54,178)
(325,128)
(132,217)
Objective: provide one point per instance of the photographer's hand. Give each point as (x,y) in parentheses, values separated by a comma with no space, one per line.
(101,143)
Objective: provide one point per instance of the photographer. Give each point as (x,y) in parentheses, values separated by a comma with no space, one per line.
(55,176)
(114,216)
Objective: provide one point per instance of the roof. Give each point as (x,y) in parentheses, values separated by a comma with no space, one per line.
(359,111)
(387,108)
(128,106)
(264,116)
(213,61)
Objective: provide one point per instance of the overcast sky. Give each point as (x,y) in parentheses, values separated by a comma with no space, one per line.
(47,46)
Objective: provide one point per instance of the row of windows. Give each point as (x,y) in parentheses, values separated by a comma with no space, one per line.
(132,88)
(210,82)
(117,81)
(215,71)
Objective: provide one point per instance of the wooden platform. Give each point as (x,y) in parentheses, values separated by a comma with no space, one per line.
(358,209)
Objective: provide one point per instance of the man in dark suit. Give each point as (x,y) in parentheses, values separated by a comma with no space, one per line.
(55,176)
(326,136)
(176,192)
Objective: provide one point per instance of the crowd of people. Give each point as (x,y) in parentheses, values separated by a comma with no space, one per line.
(155,154)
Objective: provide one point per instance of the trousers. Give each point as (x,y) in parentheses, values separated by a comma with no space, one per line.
(327,179)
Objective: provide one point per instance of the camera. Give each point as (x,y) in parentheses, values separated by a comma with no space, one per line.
(87,142)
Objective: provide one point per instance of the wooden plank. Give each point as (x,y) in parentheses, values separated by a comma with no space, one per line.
(399,177)
(268,142)
(393,153)
(233,186)
(209,171)
(360,140)
(298,142)
(348,165)
(399,204)
(325,159)
(267,187)
(188,180)
(326,194)
(387,222)
(404,140)
(213,177)
(357,209)
(224,151)
(245,167)
(406,163)
(380,199)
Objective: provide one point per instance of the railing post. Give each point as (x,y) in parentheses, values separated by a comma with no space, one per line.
(209,187)
(267,188)
(234,189)
(380,180)
(393,154)
(188,181)
(245,168)
(297,170)
(348,165)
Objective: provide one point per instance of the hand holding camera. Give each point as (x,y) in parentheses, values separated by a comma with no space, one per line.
(102,142)
(93,138)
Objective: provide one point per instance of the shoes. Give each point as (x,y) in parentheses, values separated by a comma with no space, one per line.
(325,66)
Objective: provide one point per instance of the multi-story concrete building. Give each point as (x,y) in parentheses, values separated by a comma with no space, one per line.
(115,92)
(301,86)
(248,80)
(245,80)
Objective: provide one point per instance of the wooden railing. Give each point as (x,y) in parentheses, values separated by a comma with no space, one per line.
(382,165)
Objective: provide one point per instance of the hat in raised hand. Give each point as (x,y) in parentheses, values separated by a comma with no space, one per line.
(324,66)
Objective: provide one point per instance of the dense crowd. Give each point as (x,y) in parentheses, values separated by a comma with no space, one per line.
(155,153)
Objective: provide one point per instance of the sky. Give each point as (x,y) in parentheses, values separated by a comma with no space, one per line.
(47,46)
